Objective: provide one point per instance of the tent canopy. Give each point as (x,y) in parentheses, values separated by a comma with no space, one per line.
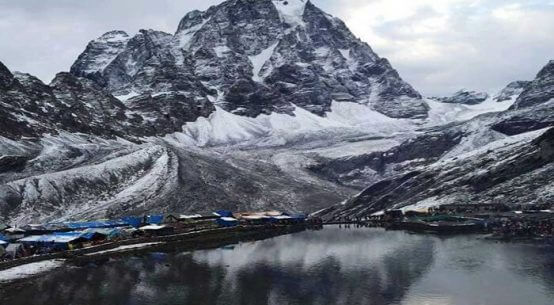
(155,219)
(227,222)
(224,213)
(132,221)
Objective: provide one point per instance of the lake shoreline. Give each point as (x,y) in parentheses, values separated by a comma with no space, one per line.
(199,240)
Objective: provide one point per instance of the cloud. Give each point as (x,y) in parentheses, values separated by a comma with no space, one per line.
(441,46)
(438,46)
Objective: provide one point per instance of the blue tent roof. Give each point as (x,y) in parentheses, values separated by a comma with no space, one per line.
(133,221)
(155,219)
(3,238)
(51,238)
(227,222)
(224,213)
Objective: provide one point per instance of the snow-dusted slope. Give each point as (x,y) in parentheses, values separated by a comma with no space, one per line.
(224,128)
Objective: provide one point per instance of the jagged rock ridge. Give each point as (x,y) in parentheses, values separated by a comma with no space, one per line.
(252,57)
(466,97)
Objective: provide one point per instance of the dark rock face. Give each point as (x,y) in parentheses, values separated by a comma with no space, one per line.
(465,97)
(513,89)
(525,119)
(6,77)
(165,113)
(29,108)
(99,53)
(12,163)
(360,170)
(253,57)
(539,91)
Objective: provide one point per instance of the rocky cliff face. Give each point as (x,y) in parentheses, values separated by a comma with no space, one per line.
(540,90)
(76,104)
(253,57)
(512,89)
(465,97)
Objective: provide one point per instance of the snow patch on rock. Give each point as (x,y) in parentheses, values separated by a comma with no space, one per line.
(258,62)
(184,37)
(291,11)
(444,113)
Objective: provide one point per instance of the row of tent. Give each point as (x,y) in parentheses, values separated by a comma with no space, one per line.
(231,220)
(131,221)
(64,235)
(67,240)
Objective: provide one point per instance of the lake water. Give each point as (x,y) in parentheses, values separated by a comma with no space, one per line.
(331,266)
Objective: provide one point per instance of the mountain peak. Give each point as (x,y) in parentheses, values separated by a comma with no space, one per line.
(6,77)
(540,90)
(253,57)
(114,36)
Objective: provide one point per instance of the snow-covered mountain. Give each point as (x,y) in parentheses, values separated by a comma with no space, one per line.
(251,58)
(498,157)
(252,104)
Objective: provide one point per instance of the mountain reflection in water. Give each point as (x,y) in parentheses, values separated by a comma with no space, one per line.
(331,266)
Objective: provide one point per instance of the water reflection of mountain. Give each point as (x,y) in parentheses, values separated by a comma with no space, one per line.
(332,266)
(327,267)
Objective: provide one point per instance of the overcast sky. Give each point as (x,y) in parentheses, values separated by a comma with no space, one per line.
(438,46)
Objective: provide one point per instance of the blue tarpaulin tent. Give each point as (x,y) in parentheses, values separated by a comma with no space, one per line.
(62,241)
(224,213)
(3,238)
(155,219)
(227,222)
(133,221)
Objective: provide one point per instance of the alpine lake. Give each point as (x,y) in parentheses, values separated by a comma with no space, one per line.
(335,265)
